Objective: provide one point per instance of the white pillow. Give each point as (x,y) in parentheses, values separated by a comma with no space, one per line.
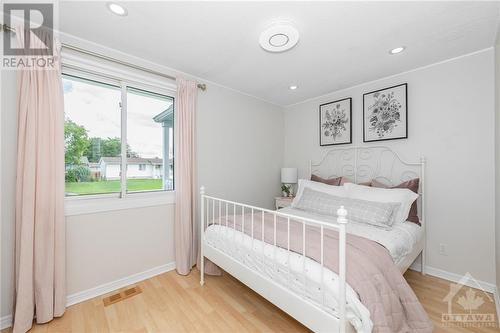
(320,187)
(376,213)
(403,196)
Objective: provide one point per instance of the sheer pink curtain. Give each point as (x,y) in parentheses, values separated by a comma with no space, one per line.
(186,233)
(185,176)
(40,231)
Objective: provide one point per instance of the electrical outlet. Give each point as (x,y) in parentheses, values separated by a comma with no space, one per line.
(443,249)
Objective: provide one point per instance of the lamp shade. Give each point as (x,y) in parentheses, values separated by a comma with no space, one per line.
(289,175)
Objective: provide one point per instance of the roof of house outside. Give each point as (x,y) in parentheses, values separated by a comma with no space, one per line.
(133,160)
(84,160)
(166,115)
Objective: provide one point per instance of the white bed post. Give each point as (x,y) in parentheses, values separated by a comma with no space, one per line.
(202,235)
(422,212)
(342,221)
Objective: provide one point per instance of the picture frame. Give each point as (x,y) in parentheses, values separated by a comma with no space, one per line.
(385,114)
(335,122)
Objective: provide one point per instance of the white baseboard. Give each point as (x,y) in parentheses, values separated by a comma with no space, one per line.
(453,277)
(117,284)
(5,322)
(81,296)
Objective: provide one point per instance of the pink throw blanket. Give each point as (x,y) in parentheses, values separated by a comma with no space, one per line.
(371,272)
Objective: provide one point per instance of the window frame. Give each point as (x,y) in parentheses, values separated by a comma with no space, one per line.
(84,67)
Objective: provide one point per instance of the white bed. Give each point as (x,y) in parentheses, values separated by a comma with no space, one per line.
(295,287)
(403,243)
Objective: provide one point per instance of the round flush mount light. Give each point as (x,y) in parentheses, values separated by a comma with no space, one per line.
(292,87)
(279,37)
(117,9)
(397,50)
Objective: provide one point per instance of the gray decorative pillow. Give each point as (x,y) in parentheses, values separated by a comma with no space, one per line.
(380,214)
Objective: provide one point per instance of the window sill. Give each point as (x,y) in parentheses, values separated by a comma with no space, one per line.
(82,205)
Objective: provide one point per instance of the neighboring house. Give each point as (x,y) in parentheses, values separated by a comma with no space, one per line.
(136,168)
(95,168)
(84,160)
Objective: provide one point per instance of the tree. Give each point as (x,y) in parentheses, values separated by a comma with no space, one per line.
(110,147)
(93,151)
(76,142)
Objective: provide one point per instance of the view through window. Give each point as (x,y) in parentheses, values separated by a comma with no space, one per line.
(93,142)
(149,134)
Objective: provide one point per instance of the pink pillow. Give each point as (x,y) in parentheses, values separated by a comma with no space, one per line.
(412,185)
(347,180)
(331,181)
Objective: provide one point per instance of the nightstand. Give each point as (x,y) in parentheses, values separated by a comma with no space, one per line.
(282,202)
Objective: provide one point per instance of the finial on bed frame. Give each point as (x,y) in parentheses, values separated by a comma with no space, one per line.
(202,190)
(342,214)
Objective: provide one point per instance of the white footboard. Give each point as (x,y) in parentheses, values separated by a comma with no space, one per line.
(313,315)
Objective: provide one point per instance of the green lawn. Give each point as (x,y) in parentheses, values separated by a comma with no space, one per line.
(108,186)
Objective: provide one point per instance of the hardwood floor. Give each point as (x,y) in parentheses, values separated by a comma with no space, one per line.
(431,291)
(173,303)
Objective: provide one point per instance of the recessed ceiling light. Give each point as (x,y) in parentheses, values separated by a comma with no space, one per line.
(292,87)
(397,50)
(278,40)
(279,37)
(117,9)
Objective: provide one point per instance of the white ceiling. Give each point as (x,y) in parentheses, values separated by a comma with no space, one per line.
(341,43)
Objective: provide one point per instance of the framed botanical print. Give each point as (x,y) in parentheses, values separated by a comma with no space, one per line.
(335,125)
(385,114)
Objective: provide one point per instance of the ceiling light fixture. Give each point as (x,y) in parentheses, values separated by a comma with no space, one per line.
(279,37)
(117,9)
(397,50)
(293,87)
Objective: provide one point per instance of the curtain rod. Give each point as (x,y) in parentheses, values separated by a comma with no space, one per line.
(202,86)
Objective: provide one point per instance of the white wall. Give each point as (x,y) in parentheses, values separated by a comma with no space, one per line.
(451,123)
(105,247)
(240,146)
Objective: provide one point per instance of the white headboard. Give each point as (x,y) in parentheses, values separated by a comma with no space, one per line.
(362,164)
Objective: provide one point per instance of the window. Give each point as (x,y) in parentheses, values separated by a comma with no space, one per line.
(98,145)
(150,122)
(92,134)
